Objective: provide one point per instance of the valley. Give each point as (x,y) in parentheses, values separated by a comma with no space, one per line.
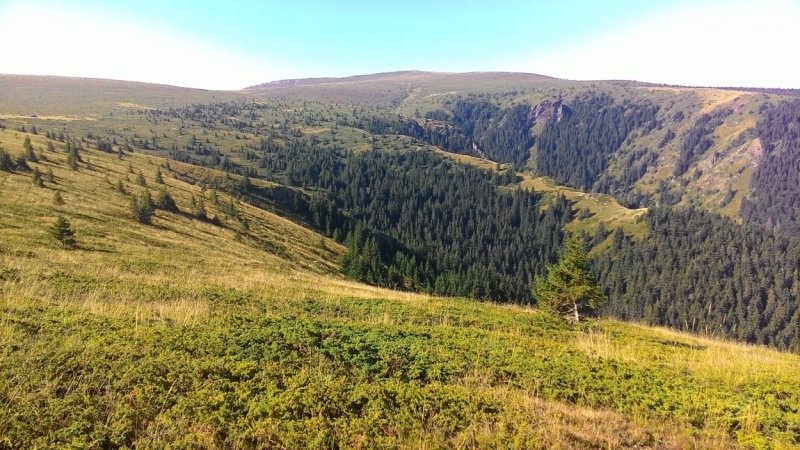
(348,264)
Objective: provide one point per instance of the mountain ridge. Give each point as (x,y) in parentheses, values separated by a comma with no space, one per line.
(386,76)
(296,82)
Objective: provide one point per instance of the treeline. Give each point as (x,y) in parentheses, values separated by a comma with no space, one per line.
(701,272)
(774,188)
(416,220)
(574,150)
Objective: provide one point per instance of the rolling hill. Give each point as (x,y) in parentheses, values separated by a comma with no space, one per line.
(237,319)
(622,146)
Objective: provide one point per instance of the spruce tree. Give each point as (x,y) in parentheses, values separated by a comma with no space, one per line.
(159,178)
(570,286)
(63,232)
(29,154)
(37,177)
(72,161)
(72,150)
(214,197)
(200,209)
(245,184)
(165,201)
(142,207)
(6,162)
(22,164)
(58,200)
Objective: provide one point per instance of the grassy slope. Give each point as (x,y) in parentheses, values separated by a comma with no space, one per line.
(603,208)
(193,334)
(87,98)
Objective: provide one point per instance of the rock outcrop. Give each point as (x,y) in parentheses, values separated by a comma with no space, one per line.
(547,109)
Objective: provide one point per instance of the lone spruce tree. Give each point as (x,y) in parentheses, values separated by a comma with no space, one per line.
(570,286)
(63,232)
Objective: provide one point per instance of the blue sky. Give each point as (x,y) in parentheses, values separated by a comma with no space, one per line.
(229,45)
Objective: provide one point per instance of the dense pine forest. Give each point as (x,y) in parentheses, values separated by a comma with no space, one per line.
(464,236)
(418,221)
(574,149)
(700,272)
(775,184)
(415,220)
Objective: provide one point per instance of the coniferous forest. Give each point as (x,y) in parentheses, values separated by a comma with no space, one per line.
(775,184)
(574,149)
(414,220)
(704,273)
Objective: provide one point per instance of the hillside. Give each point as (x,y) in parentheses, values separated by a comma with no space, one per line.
(429,201)
(241,333)
(641,163)
(640,168)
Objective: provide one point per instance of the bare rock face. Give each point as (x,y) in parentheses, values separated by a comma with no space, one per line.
(547,109)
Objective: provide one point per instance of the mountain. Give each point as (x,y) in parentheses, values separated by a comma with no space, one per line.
(377,163)
(312,281)
(229,325)
(686,146)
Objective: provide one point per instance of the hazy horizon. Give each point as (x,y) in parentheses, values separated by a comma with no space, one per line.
(211,45)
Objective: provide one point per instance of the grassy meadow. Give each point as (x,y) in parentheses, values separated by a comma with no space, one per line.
(192,334)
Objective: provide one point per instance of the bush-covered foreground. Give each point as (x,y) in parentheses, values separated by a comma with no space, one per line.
(371,373)
(190,334)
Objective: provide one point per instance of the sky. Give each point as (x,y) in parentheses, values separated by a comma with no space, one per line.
(234,44)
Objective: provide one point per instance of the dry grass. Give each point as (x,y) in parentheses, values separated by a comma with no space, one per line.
(603,208)
(706,357)
(471,160)
(558,426)
(160,270)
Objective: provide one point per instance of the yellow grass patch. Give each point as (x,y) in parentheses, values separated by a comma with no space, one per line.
(45,117)
(131,105)
(604,208)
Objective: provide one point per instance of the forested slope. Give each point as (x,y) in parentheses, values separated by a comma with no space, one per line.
(704,273)
(776,182)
